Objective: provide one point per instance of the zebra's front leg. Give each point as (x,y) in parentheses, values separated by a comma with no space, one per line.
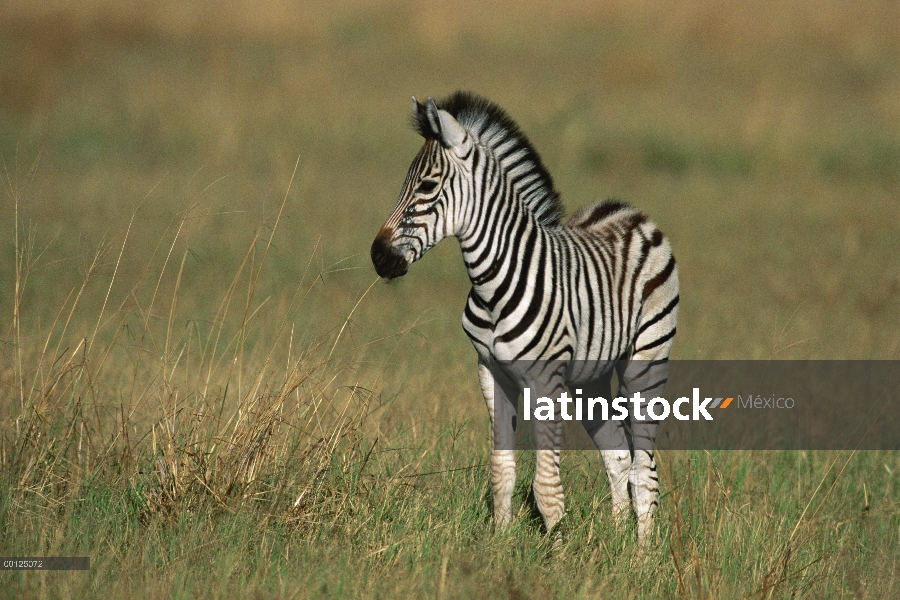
(547,486)
(502,410)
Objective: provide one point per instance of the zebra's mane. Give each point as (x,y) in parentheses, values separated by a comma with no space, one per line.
(494,129)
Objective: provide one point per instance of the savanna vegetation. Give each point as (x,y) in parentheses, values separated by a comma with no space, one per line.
(206,390)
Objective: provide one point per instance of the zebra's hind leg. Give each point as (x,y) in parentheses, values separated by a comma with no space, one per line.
(618,469)
(501,407)
(644,482)
(647,376)
(609,437)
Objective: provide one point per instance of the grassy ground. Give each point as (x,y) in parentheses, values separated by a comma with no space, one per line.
(206,391)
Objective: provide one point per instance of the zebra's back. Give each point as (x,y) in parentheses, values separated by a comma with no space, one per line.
(628,279)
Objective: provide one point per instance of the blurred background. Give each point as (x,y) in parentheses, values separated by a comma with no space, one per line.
(764,138)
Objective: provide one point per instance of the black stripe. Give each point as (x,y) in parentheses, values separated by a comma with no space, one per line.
(511,274)
(660,278)
(649,365)
(603,210)
(672,304)
(657,341)
(476,320)
(537,297)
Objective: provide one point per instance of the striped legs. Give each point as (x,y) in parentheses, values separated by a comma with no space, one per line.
(501,398)
(610,438)
(627,447)
(503,435)
(547,485)
(645,373)
(631,472)
(644,482)
(546,381)
(618,468)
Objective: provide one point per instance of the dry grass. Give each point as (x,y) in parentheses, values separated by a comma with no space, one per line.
(202,409)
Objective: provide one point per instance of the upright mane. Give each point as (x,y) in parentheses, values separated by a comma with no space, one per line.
(495,130)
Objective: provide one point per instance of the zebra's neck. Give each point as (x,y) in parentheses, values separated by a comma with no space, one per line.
(501,230)
(511,198)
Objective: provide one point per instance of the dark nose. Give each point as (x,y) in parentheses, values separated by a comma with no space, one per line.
(388,262)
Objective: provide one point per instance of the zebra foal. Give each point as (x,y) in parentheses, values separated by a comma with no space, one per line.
(596,294)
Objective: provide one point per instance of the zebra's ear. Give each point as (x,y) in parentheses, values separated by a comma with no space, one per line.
(450,132)
(431,114)
(420,120)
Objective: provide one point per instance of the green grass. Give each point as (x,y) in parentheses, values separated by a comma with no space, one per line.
(192,342)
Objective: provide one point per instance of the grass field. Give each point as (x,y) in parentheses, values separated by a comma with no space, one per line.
(205,389)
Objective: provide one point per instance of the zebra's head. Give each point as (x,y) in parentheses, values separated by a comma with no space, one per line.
(424,215)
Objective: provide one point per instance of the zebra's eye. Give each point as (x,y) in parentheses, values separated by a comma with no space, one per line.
(427,186)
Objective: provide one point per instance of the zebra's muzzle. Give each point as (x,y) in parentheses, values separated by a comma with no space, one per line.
(389,261)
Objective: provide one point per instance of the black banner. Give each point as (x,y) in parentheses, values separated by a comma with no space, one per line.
(698,405)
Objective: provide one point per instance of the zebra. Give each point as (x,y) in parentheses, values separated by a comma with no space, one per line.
(601,287)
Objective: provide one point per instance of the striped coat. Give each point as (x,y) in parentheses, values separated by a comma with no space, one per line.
(597,293)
